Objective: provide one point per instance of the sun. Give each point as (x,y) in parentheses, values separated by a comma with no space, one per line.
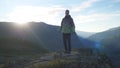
(20,23)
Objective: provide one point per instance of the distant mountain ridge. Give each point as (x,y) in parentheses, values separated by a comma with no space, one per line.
(108,33)
(85,34)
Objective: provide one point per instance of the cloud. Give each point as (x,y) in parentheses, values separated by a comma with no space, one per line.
(53,14)
(116,0)
(95,18)
(84,5)
(91,22)
(118,11)
(31,13)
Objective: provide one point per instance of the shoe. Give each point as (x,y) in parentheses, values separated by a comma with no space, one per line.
(67,52)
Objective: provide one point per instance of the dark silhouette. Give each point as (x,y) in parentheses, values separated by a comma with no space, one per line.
(67,28)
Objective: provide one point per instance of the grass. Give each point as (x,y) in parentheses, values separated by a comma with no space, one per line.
(19,47)
(2,65)
(51,64)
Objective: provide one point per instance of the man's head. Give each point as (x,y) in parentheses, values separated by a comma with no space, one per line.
(67,12)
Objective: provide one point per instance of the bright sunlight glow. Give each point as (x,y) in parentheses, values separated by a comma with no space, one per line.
(20,23)
(23,14)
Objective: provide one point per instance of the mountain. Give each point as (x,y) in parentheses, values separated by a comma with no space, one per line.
(13,42)
(47,36)
(109,41)
(34,38)
(105,34)
(51,36)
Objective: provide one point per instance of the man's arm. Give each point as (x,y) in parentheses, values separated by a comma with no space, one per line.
(72,23)
(61,25)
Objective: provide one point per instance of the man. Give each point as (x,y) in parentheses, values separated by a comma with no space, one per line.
(67,28)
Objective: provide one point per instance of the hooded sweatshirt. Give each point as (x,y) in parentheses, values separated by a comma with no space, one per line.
(67,25)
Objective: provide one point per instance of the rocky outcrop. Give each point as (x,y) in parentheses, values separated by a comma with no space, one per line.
(82,58)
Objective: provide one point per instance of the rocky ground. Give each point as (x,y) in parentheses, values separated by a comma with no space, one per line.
(82,58)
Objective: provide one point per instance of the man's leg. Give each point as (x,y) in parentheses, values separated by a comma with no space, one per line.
(65,42)
(69,42)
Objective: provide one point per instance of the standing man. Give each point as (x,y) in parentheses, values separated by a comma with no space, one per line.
(67,28)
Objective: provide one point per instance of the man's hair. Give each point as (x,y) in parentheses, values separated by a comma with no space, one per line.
(66,10)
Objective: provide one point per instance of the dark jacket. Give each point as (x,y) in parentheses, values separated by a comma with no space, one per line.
(67,25)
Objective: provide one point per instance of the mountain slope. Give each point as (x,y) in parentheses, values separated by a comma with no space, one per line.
(15,46)
(111,46)
(109,41)
(13,42)
(99,36)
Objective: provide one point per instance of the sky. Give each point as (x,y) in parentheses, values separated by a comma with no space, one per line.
(88,15)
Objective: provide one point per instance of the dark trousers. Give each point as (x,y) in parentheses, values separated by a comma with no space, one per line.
(67,42)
